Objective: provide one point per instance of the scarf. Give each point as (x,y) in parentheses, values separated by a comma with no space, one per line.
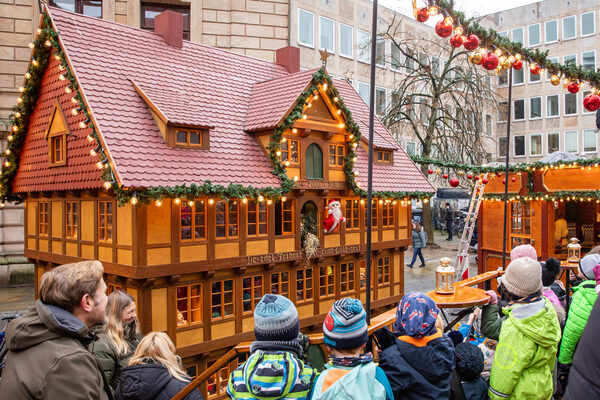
(351,361)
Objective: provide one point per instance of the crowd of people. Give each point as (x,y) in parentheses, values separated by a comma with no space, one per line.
(78,343)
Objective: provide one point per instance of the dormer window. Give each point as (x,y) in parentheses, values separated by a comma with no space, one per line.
(384,156)
(188,138)
(56,134)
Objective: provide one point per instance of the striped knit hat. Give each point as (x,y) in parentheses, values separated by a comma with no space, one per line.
(345,326)
(276,319)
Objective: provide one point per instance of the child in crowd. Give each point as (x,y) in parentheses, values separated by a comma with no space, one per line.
(417,359)
(274,369)
(471,332)
(469,365)
(349,374)
(527,336)
(597,277)
(584,297)
(550,270)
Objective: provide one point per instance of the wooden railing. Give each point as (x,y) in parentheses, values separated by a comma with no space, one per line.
(385,319)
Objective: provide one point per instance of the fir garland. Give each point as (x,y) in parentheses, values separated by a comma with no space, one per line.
(554,196)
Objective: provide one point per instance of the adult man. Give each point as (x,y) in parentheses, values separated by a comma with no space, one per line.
(449,219)
(48,356)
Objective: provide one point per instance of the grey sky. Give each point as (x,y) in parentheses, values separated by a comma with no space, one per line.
(481,7)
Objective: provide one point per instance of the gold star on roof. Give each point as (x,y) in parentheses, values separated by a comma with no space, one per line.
(348,74)
(324,56)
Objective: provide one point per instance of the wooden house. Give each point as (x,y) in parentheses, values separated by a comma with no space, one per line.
(190,171)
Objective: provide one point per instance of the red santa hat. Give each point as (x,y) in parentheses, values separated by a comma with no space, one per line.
(331,201)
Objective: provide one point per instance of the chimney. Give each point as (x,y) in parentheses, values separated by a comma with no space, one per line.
(289,57)
(169,24)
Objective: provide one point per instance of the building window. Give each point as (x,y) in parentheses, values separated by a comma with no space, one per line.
(257,216)
(589,141)
(373,215)
(110,288)
(571,141)
(304,284)
(551,31)
(105,221)
(252,292)
(289,151)
(396,57)
(570,59)
(552,106)
(534,37)
(216,385)
(383,270)
(151,10)
(410,61)
(520,227)
(411,148)
(502,147)
(502,111)
(380,100)
(535,145)
(314,162)
(519,110)
(336,155)
(588,23)
(553,140)
(226,213)
(570,103)
(347,277)
(363,91)
(535,107)
(388,216)
(189,305)
(568,28)
(488,125)
(280,283)
(58,149)
(519,146)
(192,219)
(71,219)
(380,52)
(284,217)
(91,8)
(346,41)
(364,41)
(188,138)
(352,213)
(383,156)
(517,35)
(327,281)
(327,38)
(588,61)
(518,77)
(548,73)
(43,218)
(306,28)
(221,299)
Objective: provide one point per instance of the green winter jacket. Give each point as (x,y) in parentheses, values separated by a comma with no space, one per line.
(111,362)
(526,352)
(584,298)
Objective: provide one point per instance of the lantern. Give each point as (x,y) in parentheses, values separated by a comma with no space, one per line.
(573,251)
(444,277)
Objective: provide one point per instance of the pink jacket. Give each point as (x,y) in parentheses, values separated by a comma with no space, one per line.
(560,311)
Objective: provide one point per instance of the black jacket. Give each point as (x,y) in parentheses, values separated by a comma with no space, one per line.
(417,371)
(585,370)
(150,382)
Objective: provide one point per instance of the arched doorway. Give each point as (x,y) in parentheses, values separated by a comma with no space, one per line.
(314,162)
(309,218)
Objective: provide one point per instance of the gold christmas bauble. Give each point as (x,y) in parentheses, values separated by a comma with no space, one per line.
(460,173)
(475,58)
(555,80)
(506,65)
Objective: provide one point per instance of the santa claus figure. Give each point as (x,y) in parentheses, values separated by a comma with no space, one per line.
(334,218)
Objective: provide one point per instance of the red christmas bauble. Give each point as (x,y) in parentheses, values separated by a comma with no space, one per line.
(498,174)
(591,102)
(471,43)
(476,177)
(469,176)
(443,29)
(513,179)
(504,181)
(534,68)
(518,64)
(430,171)
(422,15)
(484,181)
(573,87)
(445,176)
(456,41)
(490,61)
(454,182)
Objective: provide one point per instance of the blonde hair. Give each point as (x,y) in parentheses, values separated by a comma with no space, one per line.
(65,286)
(117,302)
(158,347)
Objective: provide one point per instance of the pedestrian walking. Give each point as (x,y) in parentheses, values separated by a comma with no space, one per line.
(119,337)
(449,220)
(419,241)
(48,356)
(154,372)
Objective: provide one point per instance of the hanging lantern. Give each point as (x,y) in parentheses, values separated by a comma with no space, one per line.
(443,29)
(518,64)
(591,102)
(555,80)
(444,277)
(573,251)
(573,87)
(471,43)
(423,15)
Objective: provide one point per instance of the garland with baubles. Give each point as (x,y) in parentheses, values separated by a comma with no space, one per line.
(496,53)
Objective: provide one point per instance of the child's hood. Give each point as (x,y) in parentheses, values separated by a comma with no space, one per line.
(271,375)
(536,320)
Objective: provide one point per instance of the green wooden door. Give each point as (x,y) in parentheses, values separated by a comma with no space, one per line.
(314,162)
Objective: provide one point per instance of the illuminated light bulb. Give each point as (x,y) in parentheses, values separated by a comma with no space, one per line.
(449,20)
(295,179)
(244,200)
(336,99)
(107,185)
(358,184)
(458,30)
(191,203)
(62,77)
(278,152)
(433,11)
(518,56)
(380,201)
(341,125)
(394,202)
(283,140)
(294,130)
(19,100)
(339,112)
(260,199)
(68,89)
(309,105)
(354,159)
(10,138)
(354,145)
(177,200)
(158,202)
(482,50)
(566,81)
(287,163)
(74,100)
(21,89)
(31,45)
(100,165)
(283,199)
(61,68)
(2,205)
(74,111)
(7,152)
(211,201)
(511,59)
(38,30)
(134,199)
(57,58)
(17,115)
(34,62)
(316,97)
(325,86)
(48,43)
(304,116)
(15,128)
(425,201)
(7,163)
(269,202)
(498,52)
(355,173)
(362,201)
(350,136)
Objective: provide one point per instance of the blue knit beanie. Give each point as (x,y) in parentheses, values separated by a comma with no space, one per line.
(345,326)
(276,319)
(416,315)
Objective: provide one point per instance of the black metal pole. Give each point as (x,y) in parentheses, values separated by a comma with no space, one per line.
(508,118)
(370,173)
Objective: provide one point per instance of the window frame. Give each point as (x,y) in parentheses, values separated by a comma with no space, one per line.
(165,7)
(336,155)
(521,71)
(52,152)
(581,23)
(485,121)
(78,8)
(501,112)
(378,56)
(557,115)
(384,90)
(514,109)
(367,51)
(285,209)
(288,151)
(565,136)
(531,118)
(368,86)
(103,231)
(554,60)
(329,283)
(193,227)
(548,142)
(227,216)
(593,69)
(190,322)
(584,111)
(383,271)
(280,282)
(531,79)
(515,155)
(188,133)
(502,139)
(571,95)
(574,27)
(223,304)
(380,157)
(300,42)
(529,44)
(257,222)
(72,220)
(546,30)
(395,64)
(512,35)
(584,133)
(304,279)
(521,215)
(346,55)
(253,300)
(348,277)
(349,213)
(43,213)
(531,136)
(321,18)
(388,208)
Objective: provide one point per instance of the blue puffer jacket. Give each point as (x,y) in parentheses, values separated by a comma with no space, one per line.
(417,368)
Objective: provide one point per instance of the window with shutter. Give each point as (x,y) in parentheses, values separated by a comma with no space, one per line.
(314,162)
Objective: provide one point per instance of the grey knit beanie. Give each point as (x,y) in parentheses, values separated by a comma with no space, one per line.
(587,264)
(523,277)
(276,319)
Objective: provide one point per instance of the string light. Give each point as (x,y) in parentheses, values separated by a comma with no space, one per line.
(269,202)
(74,100)
(211,201)
(324,86)
(191,203)
(31,45)
(177,200)
(10,138)
(17,114)
(244,200)
(158,202)
(7,152)
(107,185)
(134,199)
(283,199)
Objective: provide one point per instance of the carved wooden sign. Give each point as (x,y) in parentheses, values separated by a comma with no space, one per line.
(295,255)
(314,184)
(555,180)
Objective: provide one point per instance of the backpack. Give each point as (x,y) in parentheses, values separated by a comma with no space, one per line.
(426,238)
